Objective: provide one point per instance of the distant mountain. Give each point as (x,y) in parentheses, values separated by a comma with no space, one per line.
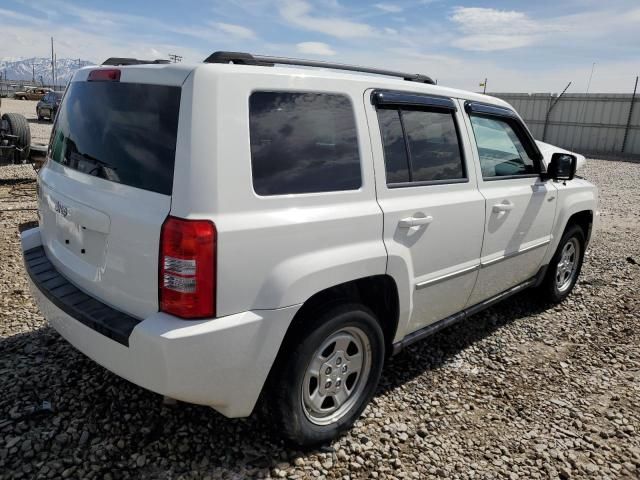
(24,69)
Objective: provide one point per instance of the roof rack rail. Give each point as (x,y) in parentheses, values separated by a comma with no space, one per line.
(242,58)
(115,61)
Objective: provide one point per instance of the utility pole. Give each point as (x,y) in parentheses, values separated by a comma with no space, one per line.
(484,84)
(593,66)
(33,72)
(175,58)
(52,63)
(546,119)
(626,130)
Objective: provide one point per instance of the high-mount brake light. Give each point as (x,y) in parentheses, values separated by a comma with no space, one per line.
(187,270)
(104,75)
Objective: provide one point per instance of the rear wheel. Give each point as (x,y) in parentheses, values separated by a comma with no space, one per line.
(322,386)
(565,266)
(16,124)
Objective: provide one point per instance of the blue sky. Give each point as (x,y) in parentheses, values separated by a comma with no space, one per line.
(518,45)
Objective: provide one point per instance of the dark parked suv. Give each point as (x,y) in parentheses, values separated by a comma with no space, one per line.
(48,105)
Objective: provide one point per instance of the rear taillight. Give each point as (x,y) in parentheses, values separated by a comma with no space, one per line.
(104,75)
(187,283)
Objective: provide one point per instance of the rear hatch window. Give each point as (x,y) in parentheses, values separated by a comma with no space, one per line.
(120,132)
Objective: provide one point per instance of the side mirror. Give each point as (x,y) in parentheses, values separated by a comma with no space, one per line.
(562,167)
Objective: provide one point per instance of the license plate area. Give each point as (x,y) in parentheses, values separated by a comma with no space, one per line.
(73,228)
(86,244)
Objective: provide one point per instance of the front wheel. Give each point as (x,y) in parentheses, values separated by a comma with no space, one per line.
(565,266)
(322,386)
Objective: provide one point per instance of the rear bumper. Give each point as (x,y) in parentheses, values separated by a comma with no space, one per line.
(220,362)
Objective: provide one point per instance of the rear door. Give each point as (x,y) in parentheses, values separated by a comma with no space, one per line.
(433,211)
(520,205)
(106,188)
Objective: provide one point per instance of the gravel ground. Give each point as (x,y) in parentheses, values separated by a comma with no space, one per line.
(40,129)
(518,391)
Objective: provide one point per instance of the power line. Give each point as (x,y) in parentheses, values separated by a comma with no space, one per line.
(175,58)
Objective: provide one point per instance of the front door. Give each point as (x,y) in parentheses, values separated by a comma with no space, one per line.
(520,206)
(433,211)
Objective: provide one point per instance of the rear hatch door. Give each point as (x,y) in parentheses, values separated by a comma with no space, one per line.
(106,187)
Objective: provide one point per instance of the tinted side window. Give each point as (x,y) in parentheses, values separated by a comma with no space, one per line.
(420,145)
(303,143)
(395,152)
(433,145)
(500,150)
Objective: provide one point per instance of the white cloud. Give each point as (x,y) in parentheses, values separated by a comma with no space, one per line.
(561,47)
(32,41)
(489,43)
(236,30)
(10,14)
(315,48)
(388,7)
(298,14)
(487,29)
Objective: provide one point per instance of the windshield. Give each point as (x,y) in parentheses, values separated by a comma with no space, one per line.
(121,132)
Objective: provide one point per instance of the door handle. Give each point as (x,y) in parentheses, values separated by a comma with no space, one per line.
(415,221)
(503,207)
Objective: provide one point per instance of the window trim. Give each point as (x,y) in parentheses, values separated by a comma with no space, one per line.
(512,119)
(306,194)
(398,107)
(511,177)
(425,183)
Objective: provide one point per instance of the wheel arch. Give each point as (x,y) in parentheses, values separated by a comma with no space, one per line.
(577,206)
(379,293)
(583,219)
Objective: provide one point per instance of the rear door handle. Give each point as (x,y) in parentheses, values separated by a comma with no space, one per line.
(415,221)
(503,207)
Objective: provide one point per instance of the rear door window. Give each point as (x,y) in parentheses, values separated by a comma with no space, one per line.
(421,146)
(303,143)
(121,132)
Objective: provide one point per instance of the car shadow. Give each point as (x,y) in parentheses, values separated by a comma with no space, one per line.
(440,349)
(71,407)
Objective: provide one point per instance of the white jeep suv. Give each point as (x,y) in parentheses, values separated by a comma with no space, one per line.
(235,229)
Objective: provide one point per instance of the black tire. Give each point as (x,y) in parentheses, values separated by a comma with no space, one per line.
(550,289)
(285,400)
(17,125)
